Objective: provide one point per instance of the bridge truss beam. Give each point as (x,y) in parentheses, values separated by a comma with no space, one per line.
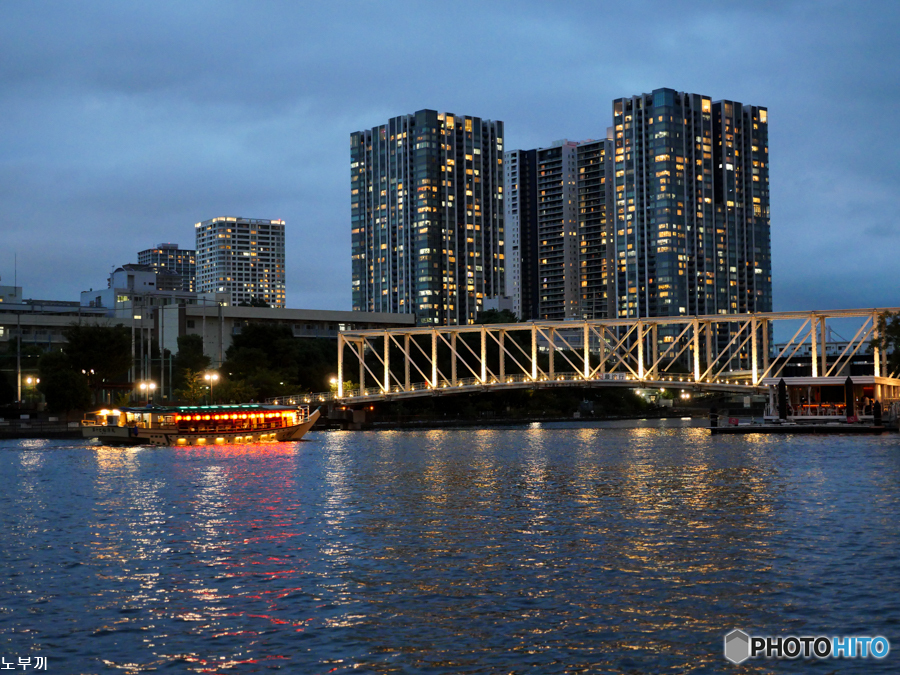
(724,352)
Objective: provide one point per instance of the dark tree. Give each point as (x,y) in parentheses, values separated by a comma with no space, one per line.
(497,316)
(270,360)
(64,387)
(254,302)
(7,390)
(190,357)
(889,340)
(103,353)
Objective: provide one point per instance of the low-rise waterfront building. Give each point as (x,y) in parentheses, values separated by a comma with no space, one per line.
(219,324)
(137,285)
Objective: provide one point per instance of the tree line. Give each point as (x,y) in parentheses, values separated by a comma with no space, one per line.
(263,361)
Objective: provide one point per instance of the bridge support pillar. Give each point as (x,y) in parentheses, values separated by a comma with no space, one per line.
(387,363)
(340,373)
(603,345)
(813,324)
(552,352)
(696,350)
(753,351)
(502,355)
(876,353)
(587,351)
(534,361)
(362,366)
(453,358)
(406,364)
(483,354)
(640,350)
(434,369)
(823,336)
(654,350)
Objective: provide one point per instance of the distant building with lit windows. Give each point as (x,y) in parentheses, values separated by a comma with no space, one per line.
(689,219)
(426,198)
(556,230)
(169,259)
(519,223)
(243,257)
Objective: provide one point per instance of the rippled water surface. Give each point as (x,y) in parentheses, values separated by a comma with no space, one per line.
(531,550)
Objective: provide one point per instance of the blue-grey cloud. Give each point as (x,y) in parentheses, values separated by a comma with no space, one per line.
(123,124)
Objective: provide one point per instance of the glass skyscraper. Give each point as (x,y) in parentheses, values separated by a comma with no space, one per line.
(427,216)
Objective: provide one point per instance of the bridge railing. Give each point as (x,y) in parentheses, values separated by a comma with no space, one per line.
(469,383)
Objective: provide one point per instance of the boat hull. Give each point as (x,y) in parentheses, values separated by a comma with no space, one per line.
(110,435)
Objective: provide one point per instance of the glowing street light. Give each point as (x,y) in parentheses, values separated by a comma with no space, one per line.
(147,388)
(211,378)
(32,382)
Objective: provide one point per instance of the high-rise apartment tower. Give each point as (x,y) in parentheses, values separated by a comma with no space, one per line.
(520,224)
(243,257)
(556,225)
(426,198)
(689,228)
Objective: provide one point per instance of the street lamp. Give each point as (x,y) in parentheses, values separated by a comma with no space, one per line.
(147,388)
(32,382)
(211,378)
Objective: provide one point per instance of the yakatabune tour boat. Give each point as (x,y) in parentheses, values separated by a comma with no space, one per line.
(199,425)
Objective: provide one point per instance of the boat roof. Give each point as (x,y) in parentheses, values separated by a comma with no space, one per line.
(236,407)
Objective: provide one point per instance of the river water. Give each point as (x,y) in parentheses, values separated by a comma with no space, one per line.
(545,549)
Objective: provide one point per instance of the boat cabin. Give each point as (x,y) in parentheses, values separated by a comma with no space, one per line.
(202,419)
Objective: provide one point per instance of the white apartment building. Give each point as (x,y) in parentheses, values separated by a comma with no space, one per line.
(243,257)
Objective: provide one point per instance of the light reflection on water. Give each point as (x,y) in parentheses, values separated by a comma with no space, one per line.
(550,548)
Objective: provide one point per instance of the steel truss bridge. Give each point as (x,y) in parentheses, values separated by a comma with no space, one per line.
(722,352)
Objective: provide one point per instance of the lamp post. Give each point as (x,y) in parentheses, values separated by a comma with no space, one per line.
(147,388)
(211,378)
(32,382)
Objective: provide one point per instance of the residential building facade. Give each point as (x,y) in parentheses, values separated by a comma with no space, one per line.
(169,259)
(427,216)
(520,213)
(557,230)
(243,257)
(689,231)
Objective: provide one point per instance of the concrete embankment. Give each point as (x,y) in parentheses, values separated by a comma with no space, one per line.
(11,429)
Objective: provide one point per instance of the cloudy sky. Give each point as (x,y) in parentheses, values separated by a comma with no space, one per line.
(124,123)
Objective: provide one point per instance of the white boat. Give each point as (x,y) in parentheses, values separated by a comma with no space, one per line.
(199,425)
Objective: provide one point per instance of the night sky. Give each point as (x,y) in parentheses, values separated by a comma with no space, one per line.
(124,123)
